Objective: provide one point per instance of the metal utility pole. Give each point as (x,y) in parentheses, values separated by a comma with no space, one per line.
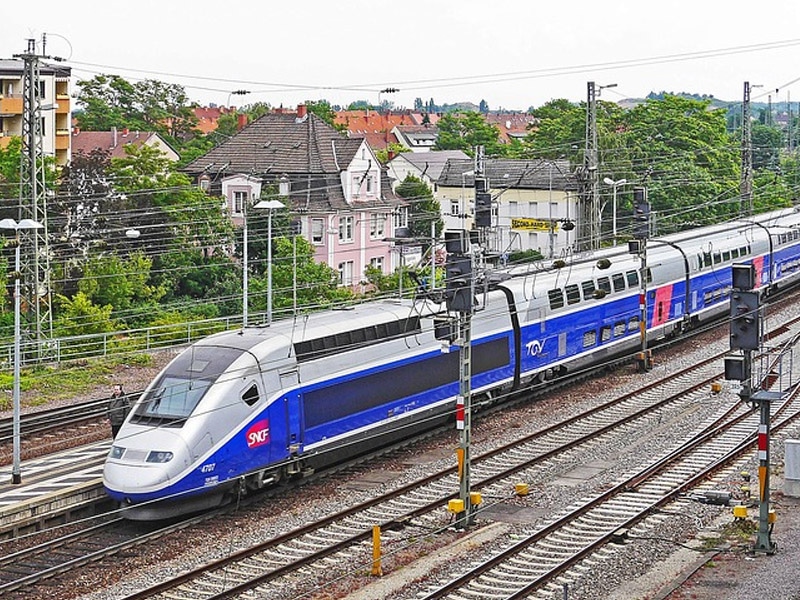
(589,224)
(746,186)
(35,265)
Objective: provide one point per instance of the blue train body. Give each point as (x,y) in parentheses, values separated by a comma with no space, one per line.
(242,409)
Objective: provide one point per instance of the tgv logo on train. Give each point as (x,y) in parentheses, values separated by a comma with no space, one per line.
(258,434)
(534,348)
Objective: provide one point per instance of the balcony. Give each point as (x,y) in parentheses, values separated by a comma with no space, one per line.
(62,141)
(62,102)
(10,105)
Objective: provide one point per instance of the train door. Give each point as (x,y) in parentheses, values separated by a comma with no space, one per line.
(294,420)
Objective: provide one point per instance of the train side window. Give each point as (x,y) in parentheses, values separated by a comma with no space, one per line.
(707,259)
(726,256)
(735,253)
(717,258)
(250,396)
(619,282)
(633,324)
(619,328)
(588,289)
(605,333)
(649,275)
(556,297)
(604,284)
(633,279)
(589,338)
(573,294)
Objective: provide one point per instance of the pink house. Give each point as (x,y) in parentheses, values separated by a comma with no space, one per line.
(334,186)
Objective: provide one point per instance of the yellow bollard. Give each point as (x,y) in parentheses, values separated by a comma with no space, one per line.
(376,551)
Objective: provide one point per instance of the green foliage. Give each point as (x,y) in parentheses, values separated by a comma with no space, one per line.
(111,101)
(80,316)
(324,110)
(120,284)
(424,209)
(394,148)
(316,284)
(464,131)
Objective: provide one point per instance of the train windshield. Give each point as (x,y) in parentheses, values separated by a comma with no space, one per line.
(172,401)
(176,394)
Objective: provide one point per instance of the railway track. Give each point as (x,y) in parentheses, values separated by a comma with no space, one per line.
(589,525)
(342,537)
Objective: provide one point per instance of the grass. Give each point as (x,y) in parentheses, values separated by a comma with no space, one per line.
(42,384)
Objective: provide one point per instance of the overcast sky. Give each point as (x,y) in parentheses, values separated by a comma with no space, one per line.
(511,53)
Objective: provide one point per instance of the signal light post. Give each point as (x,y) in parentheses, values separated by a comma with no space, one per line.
(746,335)
(459,294)
(641,231)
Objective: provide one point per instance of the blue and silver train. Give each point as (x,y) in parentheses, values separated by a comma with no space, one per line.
(242,409)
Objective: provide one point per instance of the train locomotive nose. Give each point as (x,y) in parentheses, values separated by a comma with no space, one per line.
(143,463)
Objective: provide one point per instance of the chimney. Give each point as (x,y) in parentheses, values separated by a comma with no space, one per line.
(125,132)
(76,130)
(390,154)
(114,137)
(302,112)
(241,123)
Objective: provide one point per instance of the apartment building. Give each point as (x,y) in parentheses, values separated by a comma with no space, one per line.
(56,111)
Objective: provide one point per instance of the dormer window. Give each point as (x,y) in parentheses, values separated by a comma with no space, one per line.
(204,182)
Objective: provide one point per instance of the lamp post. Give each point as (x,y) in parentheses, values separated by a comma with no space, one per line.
(269,205)
(614,185)
(16,476)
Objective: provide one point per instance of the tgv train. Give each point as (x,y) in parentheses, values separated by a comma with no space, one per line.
(242,409)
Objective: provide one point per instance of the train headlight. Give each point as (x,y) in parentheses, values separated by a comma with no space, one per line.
(157,456)
(116,452)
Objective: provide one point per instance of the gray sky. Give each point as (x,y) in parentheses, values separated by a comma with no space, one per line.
(513,54)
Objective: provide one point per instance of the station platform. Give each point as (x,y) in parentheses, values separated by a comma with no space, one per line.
(55,489)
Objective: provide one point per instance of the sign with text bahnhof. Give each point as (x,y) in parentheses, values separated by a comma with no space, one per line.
(527,224)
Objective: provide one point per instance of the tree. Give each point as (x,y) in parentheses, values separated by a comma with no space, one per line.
(324,110)
(424,209)
(682,149)
(464,131)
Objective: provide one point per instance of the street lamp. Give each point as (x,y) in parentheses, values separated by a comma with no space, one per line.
(614,185)
(16,476)
(269,205)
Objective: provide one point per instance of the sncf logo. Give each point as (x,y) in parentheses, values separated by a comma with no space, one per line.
(258,434)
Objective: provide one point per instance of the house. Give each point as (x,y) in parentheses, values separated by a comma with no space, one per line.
(534,203)
(114,142)
(512,126)
(54,104)
(417,138)
(426,166)
(333,184)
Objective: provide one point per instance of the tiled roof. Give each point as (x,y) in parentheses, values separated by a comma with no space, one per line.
(535,174)
(308,151)
(112,141)
(430,163)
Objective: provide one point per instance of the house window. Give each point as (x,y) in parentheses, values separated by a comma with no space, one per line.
(239,199)
(205,183)
(345,229)
(317,231)
(513,209)
(376,224)
(377,263)
(401,217)
(455,208)
(346,273)
(370,185)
